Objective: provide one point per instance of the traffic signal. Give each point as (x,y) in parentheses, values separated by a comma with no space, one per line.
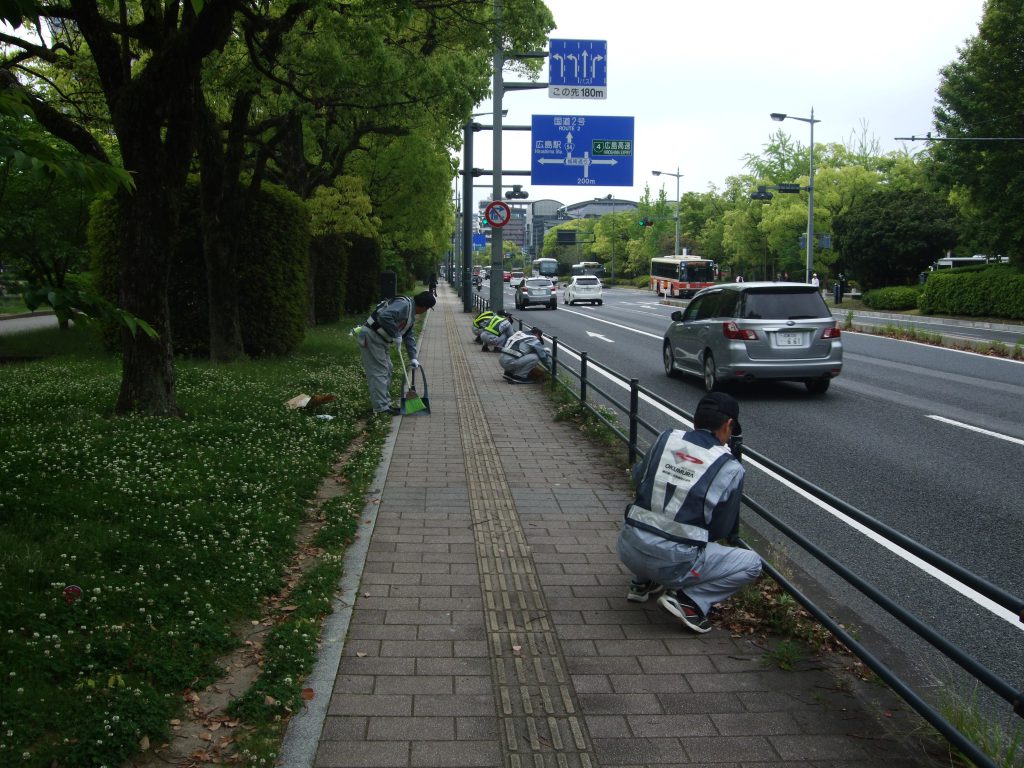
(788,188)
(645,222)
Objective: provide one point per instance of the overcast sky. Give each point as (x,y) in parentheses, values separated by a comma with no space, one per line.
(700,77)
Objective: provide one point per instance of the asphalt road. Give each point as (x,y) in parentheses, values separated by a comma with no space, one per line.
(925,439)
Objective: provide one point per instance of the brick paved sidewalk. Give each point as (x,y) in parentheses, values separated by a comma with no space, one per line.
(490,626)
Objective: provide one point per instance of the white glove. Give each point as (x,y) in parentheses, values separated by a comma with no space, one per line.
(414,363)
(398,339)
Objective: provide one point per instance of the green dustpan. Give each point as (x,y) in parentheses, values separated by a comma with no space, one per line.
(412,401)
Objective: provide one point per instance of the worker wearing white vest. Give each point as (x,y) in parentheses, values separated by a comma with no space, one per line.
(689,487)
(522,353)
(391,322)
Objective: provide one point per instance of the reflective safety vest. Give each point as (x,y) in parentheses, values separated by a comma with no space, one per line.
(671,498)
(373,321)
(494,324)
(482,319)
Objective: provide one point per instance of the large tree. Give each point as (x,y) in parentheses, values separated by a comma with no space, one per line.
(891,235)
(979,116)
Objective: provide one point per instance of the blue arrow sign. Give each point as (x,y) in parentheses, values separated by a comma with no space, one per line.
(578,69)
(582,149)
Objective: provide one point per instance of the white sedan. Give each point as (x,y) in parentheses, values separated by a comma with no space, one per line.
(582,288)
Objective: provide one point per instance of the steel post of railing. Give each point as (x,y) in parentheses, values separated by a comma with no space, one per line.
(554,362)
(634,411)
(583,378)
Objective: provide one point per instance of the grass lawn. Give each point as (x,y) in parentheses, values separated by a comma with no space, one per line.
(132,548)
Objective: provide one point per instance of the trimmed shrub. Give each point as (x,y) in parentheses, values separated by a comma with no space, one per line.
(364,269)
(894,297)
(272,272)
(328,257)
(997,291)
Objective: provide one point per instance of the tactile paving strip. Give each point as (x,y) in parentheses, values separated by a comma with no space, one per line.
(539,720)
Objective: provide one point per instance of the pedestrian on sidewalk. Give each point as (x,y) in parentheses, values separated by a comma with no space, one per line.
(688,494)
(391,322)
(433,284)
(522,353)
(496,333)
(480,322)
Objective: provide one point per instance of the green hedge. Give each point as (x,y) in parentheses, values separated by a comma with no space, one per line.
(894,297)
(272,272)
(994,292)
(328,261)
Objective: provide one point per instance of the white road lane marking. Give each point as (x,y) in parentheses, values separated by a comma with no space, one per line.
(973,428)
(971,594)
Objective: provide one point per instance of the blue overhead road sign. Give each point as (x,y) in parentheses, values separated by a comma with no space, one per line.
(582,149)
(578,69)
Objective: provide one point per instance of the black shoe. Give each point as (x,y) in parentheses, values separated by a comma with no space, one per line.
(640,591)
(485,348)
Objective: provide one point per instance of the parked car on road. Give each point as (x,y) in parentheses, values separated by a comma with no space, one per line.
(737,332)
(583,288)
(536,290)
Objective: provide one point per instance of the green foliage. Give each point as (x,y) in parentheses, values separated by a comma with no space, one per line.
(979,97)
(274,271)
(328,256)
(997,291)
(203,511)
(83,306)
(364,275)
(272,274)
(893,297)
(891,235)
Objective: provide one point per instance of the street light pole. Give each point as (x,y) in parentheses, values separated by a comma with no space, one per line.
(678,176)
(779,117)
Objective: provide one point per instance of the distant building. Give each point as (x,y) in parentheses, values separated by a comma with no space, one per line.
(596,208)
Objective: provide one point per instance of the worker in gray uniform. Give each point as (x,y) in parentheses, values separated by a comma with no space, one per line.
(522,353)
(391,322)
(497,331)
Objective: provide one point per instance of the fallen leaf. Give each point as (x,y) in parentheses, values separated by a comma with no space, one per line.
(206,736)
(144,743)
(215,725)
(175,723)
(517,648)
(289,608)
(270,701)
(360,654)
(308,694)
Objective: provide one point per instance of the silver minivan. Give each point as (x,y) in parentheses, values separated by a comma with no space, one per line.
(736,332)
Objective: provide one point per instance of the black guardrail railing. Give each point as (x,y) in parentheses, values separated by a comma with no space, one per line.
(580,384)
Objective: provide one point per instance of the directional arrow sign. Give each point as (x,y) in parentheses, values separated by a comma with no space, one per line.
(582,150)
(599,336)
(578,69)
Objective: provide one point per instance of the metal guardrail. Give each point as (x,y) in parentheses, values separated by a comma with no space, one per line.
(580,385)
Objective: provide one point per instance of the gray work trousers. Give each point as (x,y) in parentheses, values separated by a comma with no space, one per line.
(377,365)
(519,366)
(707,576)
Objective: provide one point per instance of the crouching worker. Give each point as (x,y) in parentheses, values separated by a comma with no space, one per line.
(522,353)
(391,322)
(497,331)
(479,323)
(688,497)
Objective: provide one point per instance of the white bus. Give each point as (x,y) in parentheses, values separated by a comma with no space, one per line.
(588,268)
(545,268)
(948,262)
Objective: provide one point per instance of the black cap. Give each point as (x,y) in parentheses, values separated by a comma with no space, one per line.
(722,403)
(425,299)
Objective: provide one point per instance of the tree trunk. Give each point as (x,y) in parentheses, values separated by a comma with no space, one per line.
(147,375)
(222,212)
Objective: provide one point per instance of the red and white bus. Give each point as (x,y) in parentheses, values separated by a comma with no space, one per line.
(681,275)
